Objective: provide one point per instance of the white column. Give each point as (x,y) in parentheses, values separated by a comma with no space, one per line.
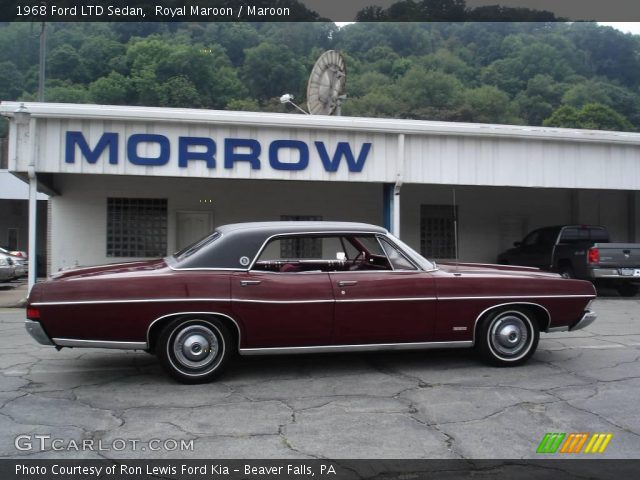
(398,186)
(33,222)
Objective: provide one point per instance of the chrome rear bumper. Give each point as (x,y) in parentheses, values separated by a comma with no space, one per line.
(587,319)
(37,332)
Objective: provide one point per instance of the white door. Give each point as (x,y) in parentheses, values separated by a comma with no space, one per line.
(192,226)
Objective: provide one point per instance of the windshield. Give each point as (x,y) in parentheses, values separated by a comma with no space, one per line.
(194,247)
(415,256)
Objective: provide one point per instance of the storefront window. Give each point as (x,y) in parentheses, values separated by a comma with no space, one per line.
(437,231)
(136,227)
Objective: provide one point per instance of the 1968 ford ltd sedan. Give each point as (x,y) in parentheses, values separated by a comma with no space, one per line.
(302,287)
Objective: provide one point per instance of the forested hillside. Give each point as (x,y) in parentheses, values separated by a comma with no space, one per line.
(558,74)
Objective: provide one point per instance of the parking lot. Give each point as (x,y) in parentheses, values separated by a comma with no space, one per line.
(436,404)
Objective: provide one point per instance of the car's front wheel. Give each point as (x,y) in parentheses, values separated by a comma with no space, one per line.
(508,337)
(194,350)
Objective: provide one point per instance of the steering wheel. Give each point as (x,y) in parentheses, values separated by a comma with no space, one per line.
(358,261)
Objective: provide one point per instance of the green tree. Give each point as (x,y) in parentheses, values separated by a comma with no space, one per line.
(488,104)
(270,70)
(114,89)
(11,81)
(593,116)
(65,63)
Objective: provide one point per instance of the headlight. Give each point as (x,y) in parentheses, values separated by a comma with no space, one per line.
(3,262)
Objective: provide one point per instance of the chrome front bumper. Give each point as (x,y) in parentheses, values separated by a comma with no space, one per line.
(587,319)
(37,332)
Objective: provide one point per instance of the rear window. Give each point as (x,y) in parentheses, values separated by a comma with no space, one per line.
(583,234)
(194,247)
(599,235)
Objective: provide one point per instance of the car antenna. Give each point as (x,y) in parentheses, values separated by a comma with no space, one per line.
(455,229)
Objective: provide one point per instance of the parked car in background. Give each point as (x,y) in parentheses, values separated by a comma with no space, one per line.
(15,253)
(580,251)
(20,262)
(302,287)
(7,268)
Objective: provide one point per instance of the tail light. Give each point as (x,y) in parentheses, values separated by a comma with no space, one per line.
(593,256)
(33,313)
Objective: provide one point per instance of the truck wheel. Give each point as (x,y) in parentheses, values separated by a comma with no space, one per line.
(508,337)
(194,350)
(627,290)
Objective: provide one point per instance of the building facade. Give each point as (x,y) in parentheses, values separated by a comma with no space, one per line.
(135,182)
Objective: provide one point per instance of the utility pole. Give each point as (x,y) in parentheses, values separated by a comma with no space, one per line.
(43,48)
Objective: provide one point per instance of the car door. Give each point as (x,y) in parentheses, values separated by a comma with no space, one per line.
(283,309)
(536,249)
(282,301)
(378,305)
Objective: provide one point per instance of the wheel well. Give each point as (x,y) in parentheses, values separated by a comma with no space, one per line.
(158,325)
(540,314)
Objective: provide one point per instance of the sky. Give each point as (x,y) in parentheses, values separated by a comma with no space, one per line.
(626,27)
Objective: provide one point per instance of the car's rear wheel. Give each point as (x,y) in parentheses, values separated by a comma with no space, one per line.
(194,350)
(508,337)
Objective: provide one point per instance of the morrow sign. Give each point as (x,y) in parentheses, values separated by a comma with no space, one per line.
(205,149)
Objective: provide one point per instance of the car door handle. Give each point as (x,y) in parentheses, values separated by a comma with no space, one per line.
(246,283)
(347,283)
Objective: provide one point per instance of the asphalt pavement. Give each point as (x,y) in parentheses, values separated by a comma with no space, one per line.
(435,404)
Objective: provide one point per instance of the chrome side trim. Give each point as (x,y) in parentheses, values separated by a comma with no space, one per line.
(339,300)
(138,300)
(475,324)
(74,342)
(221,269)
(587,319)
(228,300)
(247,300)
(373,347)
(491,297)
(35,329)
(178,314)
(399,299)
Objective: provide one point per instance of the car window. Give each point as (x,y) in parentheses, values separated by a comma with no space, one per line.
(317,253)
(574,235)
(531,239)
(599,235)
(194,247)
(397,259)
(303,247)
(370,244)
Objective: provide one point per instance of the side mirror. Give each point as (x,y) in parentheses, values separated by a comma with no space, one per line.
(517,244)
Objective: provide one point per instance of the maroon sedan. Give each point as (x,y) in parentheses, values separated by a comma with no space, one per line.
(302,287)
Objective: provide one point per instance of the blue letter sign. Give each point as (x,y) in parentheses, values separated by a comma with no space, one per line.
(303,150)
(204,149)
(343,150)
(76,138)
(137,138)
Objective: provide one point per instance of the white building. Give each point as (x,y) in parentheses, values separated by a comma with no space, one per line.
(131,182)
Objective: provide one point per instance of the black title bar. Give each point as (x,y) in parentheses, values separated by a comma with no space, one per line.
(317,10)
(123,469)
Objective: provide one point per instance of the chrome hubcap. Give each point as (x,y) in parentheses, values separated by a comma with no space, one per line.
(509,335)
(196,346)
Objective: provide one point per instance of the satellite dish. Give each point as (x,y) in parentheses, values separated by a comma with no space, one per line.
(325,90)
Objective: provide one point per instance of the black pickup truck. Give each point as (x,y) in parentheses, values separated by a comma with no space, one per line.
(579,251)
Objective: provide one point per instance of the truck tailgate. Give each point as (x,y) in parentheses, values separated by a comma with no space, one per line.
(625,256)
